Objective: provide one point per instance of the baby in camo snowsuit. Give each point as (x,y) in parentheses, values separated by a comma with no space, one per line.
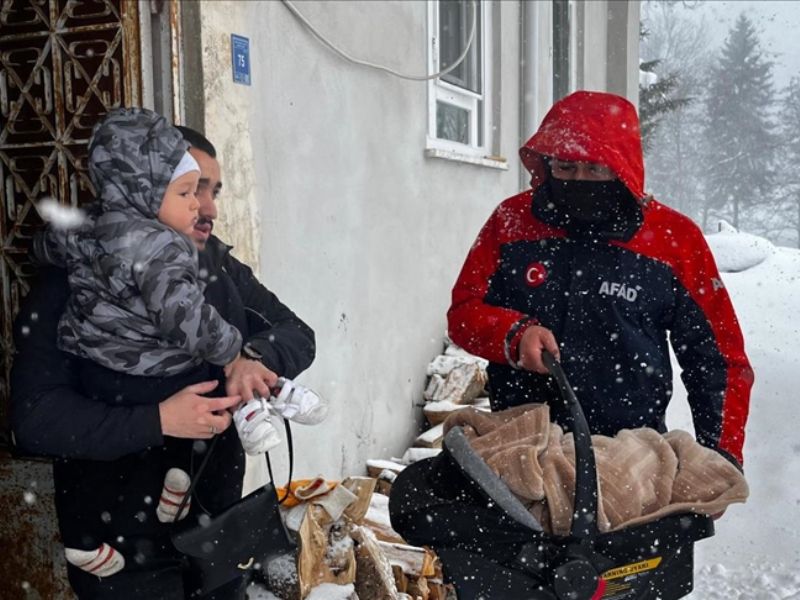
(137,304)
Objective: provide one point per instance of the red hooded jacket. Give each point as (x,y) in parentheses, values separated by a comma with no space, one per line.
(611,303)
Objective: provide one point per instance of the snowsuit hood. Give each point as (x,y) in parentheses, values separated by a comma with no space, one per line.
(132,155)
(137,295)
(594,127)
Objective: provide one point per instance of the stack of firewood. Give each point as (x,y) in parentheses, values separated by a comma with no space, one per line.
(455,381)
(345,539)
(344,532)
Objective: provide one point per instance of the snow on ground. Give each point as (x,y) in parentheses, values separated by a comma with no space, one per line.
(755,554)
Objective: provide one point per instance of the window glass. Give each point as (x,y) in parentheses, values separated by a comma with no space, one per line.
(452,123)
(455,21)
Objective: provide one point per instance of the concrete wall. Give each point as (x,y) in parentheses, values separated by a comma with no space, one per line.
(326,185)
(607,47)
(327,190)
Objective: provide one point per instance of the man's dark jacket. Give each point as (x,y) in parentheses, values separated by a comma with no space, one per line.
(103,427)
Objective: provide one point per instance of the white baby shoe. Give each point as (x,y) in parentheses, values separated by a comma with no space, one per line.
(298,403)
(256,431)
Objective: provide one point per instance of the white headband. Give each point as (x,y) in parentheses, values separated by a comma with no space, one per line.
(188,163)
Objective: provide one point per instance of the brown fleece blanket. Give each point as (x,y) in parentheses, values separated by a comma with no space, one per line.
(643,475)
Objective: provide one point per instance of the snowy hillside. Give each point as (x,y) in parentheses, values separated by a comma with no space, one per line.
(756,552)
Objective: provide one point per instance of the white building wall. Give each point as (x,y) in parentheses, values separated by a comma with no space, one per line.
(592,28)
(328,192)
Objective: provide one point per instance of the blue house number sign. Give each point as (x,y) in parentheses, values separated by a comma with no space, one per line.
(240,53)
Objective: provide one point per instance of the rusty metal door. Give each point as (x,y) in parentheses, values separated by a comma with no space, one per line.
(63,64)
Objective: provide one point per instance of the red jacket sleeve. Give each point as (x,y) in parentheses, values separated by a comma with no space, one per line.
(479,327)
(716,372)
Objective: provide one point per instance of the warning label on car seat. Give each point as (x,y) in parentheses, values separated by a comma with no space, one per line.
(627,580)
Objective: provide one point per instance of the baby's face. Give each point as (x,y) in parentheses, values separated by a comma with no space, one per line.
(179,206)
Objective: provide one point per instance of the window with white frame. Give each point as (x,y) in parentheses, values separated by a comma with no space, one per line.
(561,48)
(459,102)
(564,46)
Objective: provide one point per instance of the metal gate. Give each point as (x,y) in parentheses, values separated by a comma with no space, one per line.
(63,64)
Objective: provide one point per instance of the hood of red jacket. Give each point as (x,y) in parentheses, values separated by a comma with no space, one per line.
(594,127)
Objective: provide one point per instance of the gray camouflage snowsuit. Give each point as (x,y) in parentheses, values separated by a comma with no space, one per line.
(136,303)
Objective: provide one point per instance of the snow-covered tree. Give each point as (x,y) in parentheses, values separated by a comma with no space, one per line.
(739,126)
(788,161)
(657,100)
(676,48)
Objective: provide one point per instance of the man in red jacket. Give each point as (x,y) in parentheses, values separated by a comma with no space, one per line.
(587,266)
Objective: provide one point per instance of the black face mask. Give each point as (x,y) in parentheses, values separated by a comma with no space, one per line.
(589,208)
(589,202)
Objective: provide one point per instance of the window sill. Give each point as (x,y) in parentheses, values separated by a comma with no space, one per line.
(494,162)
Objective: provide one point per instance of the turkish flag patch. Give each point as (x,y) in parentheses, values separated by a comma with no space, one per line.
(535,274)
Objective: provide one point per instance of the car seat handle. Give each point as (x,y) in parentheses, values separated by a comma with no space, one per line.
(584,517)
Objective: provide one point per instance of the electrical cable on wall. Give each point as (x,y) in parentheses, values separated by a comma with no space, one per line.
(363,63)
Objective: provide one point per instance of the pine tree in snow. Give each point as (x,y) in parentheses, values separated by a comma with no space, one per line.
(739,126)
(676,48)
(790,159)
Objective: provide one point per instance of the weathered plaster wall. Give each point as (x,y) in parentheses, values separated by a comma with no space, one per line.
(227,125)
(328,190)
(327,184)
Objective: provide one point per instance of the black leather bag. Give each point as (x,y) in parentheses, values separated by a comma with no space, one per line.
(243,537)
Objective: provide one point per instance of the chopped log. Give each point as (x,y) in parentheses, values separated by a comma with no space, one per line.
(445,591)
(374,579)
(443,364)
(462,385)
(382,532)
(412,455)
(435,388)
(432,438)
(377,519)
(437,412)
(437,589)
(416,562)
(340,557)
(383,487)
(362,487)
(322,557)
(452,350)
(482,402)
(375,466)
(418,588)
(400,579)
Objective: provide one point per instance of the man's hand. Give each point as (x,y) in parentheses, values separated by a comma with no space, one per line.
(246,377)
(189,414)
(533,341)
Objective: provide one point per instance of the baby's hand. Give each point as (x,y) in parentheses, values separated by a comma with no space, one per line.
(248,378)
